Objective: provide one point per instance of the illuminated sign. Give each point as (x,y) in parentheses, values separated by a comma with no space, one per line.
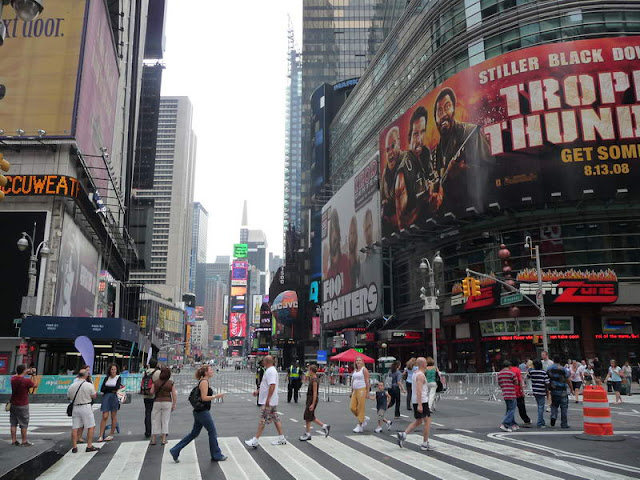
(239,273)
(240,250)
(314,289)
(407,335)
(31,185)
(509,338)
(571,286)
(489,296)
(617,336)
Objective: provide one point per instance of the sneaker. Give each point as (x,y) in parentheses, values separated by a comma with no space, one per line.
(378,430)
(389,425)
(252,443)
(74,450)
(426,447)
(542,426)
(366,421)
(279,441)
(326,429)
(401,438)
(553,422)
(505,429)
(221,459)
(358,429)
(515,428)
(26,444)
(16,443)
(548,409)
(305,437)
(175,456)
(564,426)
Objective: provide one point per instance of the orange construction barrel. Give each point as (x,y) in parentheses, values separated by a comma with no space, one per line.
(597,415)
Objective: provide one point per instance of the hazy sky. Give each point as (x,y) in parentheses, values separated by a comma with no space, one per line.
(230,59)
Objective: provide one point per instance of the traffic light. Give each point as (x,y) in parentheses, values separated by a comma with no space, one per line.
(537,339)
(4,166)
(466,287)
(475,287)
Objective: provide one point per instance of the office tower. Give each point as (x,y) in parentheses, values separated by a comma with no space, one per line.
(199,229)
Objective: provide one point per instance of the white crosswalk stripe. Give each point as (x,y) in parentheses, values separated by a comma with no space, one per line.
(43,415)
(375,457)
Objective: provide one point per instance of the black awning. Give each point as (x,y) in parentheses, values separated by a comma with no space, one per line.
(96,328)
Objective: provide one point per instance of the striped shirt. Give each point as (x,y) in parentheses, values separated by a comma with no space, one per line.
(507,381)
(539,381)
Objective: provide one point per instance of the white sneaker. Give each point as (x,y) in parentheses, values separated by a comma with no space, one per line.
(305,437)
(326,429)
(358,429)
(366,421)
(389,425)
(401,438)
(426,447)
(252,443)
(505,429)
(378,430)
(280,440)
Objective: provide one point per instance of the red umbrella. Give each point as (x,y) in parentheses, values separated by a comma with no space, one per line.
(350,356)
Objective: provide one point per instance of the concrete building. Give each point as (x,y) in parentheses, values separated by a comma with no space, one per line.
(200,335)
(198,244)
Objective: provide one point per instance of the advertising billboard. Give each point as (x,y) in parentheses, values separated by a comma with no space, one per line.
(239,273)
(240,250)
(237,325)
(351,280)
(225,310)
(77,284)
(527,127)
(255,311)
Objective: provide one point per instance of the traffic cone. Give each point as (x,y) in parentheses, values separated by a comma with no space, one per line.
(597,416)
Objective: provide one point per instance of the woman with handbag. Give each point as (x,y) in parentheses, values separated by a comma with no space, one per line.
(164,402)
(110,404)
(202,417)
(431,373)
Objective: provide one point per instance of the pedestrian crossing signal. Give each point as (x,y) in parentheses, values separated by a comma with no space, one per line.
(475,287)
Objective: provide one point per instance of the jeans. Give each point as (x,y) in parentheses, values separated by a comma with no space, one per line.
(148,408)
(201,419)
(561,401)
(394,391)
(522,410)
(509,418)
(540,400)
(409,396)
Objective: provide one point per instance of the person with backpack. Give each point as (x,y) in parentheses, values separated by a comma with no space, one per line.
(558,385)
(164,402)
(151,375)
(200,399)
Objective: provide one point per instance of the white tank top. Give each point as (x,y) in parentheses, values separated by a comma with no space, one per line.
(425,388)
(357,379)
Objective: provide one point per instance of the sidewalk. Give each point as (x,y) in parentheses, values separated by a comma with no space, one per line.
(25,463)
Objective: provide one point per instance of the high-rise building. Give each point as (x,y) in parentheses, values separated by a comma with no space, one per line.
(257,256)
(198,244)
(172,193)
(212,285)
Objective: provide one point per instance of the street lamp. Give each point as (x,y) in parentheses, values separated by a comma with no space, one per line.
(42,249)
(430,307)
(535,253)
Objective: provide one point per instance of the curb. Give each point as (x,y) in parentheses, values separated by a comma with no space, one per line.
(37,465)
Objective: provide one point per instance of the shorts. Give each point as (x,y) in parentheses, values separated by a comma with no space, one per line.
(425,411)
(82,417)
(110,403)
(381,414)
(617,386)
(268,415)
(310,416)
(576,385)
(19,416)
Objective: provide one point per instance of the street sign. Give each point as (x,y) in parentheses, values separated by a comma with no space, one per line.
(321,356)
(512,298)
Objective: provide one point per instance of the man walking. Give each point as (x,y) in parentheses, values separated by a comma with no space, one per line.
(522,409)
(420,403)
(558,384)
(19,411)
(294,382)
(507,381)
(268,398)
(151,375)
(81,393)
(259,375)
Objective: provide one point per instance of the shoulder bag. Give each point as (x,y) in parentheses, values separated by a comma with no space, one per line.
(440,387)
(70,406)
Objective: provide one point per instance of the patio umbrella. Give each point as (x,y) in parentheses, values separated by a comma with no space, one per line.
(350,356)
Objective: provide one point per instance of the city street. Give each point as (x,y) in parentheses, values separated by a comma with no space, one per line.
(464,433)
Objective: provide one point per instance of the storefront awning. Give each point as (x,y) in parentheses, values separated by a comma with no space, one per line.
(96,328)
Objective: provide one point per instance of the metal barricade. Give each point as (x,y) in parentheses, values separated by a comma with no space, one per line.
(472,384)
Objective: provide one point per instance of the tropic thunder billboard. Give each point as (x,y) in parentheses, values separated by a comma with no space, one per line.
(553,122)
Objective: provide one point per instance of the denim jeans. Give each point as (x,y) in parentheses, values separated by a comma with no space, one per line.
(201,419)
(540,400)
(561,401)
(509,418)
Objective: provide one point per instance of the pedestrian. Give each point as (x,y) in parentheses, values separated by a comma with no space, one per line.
(576,375)
(294,381)
(540,388)
(420,404)
(431,374)
(615,376)
(164,402)
(81,393)
(588,375)
(546,361)
(382,399)
(627,375)
(558,384)
(408,379)
(312,404)
(202,417)
(151,375)
(268,399)
(508,381)
(597,367)
(396,387)
(259,375)
(522,409)
(110,404)
(19,410)
(360,388)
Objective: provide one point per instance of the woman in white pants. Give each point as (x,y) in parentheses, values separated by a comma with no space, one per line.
(164,402)
(432,385)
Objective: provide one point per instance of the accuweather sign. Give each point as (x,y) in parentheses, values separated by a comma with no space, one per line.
(240,250)
(545,122)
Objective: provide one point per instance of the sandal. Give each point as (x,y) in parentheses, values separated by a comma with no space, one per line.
(81,441)
(100,440)
(152,443)
(92,449)
(108,439)
(164,442)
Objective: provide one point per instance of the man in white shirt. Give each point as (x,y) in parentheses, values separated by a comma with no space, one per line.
(268,399)
(81,393)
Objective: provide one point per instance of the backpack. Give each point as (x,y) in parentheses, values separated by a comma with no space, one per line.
(147,382)
(196,400)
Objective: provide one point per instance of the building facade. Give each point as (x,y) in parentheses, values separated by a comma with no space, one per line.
(199,230)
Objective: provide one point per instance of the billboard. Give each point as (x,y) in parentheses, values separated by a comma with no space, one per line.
(77,283)
(255,311)
(225,310)
(239,273)
(237,325)
(352,280)
(534,125)
(240,250)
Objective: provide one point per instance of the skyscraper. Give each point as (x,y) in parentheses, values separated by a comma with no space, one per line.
(198,245)
(172,193)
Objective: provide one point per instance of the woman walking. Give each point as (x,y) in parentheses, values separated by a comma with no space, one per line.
(409,370)
(202,417)
(430,373)
(164,402)
(627,376)
(396,387)
(616,380)
(110,404)
(312,403)
(359,393)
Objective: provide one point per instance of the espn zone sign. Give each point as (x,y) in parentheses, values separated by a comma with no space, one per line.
(594,287)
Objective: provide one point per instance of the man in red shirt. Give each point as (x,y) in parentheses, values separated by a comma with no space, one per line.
(522,410)
(507,381)
(19,412)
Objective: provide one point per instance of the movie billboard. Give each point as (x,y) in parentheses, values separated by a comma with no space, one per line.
(77,283)
(352,280)
(237,325)
(528,127)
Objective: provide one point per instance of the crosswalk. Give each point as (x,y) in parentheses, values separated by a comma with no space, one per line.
(43,415)
(374,457)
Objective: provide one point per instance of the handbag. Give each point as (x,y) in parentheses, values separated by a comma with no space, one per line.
(7,407)
(439,382)
(195,399)
(70,406)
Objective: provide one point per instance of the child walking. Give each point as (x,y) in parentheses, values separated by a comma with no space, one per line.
(312,403)
(382,401)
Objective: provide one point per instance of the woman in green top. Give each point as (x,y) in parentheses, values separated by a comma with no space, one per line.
(432,385)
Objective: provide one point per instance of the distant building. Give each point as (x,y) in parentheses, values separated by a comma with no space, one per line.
(198,244)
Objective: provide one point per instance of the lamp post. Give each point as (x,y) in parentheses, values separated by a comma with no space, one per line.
(42,249)
(535,253)
(430,307)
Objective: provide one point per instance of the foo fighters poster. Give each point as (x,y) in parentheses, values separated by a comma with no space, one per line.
(537,124)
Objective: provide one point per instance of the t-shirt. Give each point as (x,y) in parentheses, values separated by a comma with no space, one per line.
(576,374)
(558,380)
(86,393)
(518,374)
(20,390)
(381,400)
(270,377)
(410,374)
(312,381)
(539,381)
(614,374)
(396,378)
(163,390)
(546,364)
(507,381)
